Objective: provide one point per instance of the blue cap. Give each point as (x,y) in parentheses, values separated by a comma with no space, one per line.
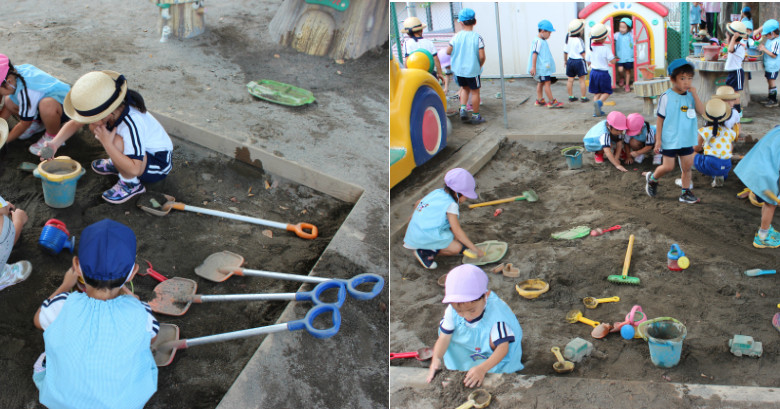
(466,15)
(107,250)
(746,9)
(628,21)
(769,26)
(677,64)
(748,24)
(546,25)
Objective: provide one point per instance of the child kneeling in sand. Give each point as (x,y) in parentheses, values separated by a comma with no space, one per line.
(434,228)
(759,170)
(97,342)
(479,332)
(12,220)
(640,139)
(606,139)
(716,143)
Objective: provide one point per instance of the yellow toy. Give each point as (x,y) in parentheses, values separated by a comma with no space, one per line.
(418,120)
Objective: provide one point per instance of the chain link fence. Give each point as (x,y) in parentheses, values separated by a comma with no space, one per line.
(438,17)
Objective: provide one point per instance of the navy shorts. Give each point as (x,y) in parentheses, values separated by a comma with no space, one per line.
(626,65)
(677,152)
(158,165)
(712,165)
(770,75)
(736,79)
(576,68)
(543,78)
(469,82)
(600,82)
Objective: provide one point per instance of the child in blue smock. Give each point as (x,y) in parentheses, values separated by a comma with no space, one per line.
(747,18)
(759,170)
(468,56)
(599,58)
(35,97)
(541,65)
(695,17)
(640,139)
(479,332)
(97,342)
(771,50)
(606,139)
(434,228)
(624,48)
(676,129)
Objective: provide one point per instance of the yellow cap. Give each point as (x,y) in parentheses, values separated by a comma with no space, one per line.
(683,262)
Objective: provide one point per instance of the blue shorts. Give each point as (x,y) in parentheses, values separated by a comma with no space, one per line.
(158,165)
(600,82)
(627,65)
(736,79)
(677,152)
(469,82)
(770,75)
(543,78)
(712,165)
(576,68)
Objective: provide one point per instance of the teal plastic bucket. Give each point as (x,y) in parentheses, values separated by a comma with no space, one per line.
(665,337)
(573,155)
(59,177)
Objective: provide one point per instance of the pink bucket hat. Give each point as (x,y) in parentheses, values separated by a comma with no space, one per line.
(461,181)
(5,65)
(617,120)
(635,123)
(465,283)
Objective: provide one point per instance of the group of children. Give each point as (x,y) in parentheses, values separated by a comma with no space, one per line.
(80,367)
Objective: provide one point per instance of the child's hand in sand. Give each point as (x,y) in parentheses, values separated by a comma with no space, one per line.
(474,377)
(435,367)
(70,279)
(621,168)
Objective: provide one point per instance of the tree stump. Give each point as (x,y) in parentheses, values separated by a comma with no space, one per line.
(180,18)
(339,30)
(649,89)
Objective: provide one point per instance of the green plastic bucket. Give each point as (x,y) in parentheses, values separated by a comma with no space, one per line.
(664,336)
(573,155)
(59,177)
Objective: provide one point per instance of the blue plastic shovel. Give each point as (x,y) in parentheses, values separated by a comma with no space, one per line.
(758,272)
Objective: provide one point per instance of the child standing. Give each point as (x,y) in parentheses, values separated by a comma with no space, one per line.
(600,58)
(138,148)
(445,61)
(676,128)
(624,47)
(414,29)
(541,65)
(759,170)
(574,55)
(35,97)
(735,31)
(771,50)
(434,228)
(695,17)
(479,332)
(747,18)
(640,139)
(97,342)
(606,139)
(468,56)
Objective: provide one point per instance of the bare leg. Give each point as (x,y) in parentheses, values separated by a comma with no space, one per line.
(583,86)
(570,86)
(51,115)
(548,91)
(767,214)
(453,249)
(685,163)
(475,100)
(539,88)
(666,167)
(19,219)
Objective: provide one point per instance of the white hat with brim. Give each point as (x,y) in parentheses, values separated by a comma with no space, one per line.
(725,93)
(3,132)
(576,26)
(737,28)
(716,111)
(94,96)
(598,32)
(414,24)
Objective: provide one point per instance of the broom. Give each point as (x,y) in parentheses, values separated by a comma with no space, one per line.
(625,279)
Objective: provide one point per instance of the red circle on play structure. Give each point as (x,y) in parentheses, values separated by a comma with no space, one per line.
(431,130)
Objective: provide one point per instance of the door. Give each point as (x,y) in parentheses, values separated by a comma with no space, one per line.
(642,47)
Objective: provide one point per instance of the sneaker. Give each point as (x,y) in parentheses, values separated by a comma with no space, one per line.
(15,273)
(555,104)
(122,192)
(718,181)
(477,119)
(774,233)
(540,103)
(627,88)
(104,167)
(658,159)
(572,98)
(678,182)
(35,127)
(35,148)
(770,242)
(464,115)
(584,99)
(771,103)
(651,188)
(597,109)
(688,197)
(425,257)
(599,157)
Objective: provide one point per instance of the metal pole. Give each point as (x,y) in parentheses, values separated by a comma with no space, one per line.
(685,29)
(501,65)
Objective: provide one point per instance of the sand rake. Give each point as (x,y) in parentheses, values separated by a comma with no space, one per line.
(624,278)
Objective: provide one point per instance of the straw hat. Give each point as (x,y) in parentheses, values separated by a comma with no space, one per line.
(725,93)
(598,32)
(737,28)
(94,96)
(3,132)
(576,26)
(716,111)
(412,24)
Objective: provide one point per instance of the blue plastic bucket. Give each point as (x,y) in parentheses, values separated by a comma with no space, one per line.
(59,177)
(664,336)
(573,155)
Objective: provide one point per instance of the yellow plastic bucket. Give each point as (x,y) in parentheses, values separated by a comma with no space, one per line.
(59,177)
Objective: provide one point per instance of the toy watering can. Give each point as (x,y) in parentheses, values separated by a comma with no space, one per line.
(55,237)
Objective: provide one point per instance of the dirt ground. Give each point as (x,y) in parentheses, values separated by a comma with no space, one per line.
(713,298)
(175,244)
